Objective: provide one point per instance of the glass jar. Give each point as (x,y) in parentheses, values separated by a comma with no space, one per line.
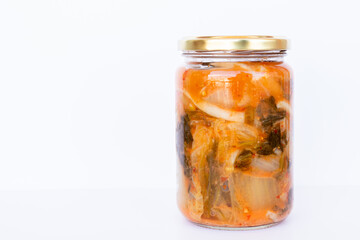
(234,131)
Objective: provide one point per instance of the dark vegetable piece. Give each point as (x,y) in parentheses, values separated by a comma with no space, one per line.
(266,107)
(268,112)
(187,166)
(274,137)
(271,119)
(184,140)
(264,149)
(187,134)
(243,161)
(273,140)
(212,190)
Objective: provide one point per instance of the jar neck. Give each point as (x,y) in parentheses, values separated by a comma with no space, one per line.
(234,56)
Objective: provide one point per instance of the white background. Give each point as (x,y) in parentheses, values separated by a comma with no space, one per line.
(87,88)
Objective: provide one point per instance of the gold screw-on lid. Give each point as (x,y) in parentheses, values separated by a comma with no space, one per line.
(233,43)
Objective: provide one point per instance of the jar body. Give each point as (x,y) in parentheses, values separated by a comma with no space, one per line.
(234,143)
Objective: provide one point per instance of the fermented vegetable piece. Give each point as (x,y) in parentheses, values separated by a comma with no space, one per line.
(201,149)
(234,138)
(259,192)
(216,111)
(184,142)
(244,160)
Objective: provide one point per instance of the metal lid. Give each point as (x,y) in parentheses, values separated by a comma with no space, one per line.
(233,43)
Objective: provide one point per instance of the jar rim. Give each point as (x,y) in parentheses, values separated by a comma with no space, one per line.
(233,43)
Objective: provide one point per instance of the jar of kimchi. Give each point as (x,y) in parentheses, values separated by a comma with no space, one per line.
(234,131)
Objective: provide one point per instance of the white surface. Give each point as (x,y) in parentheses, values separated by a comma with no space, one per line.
(319,213)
